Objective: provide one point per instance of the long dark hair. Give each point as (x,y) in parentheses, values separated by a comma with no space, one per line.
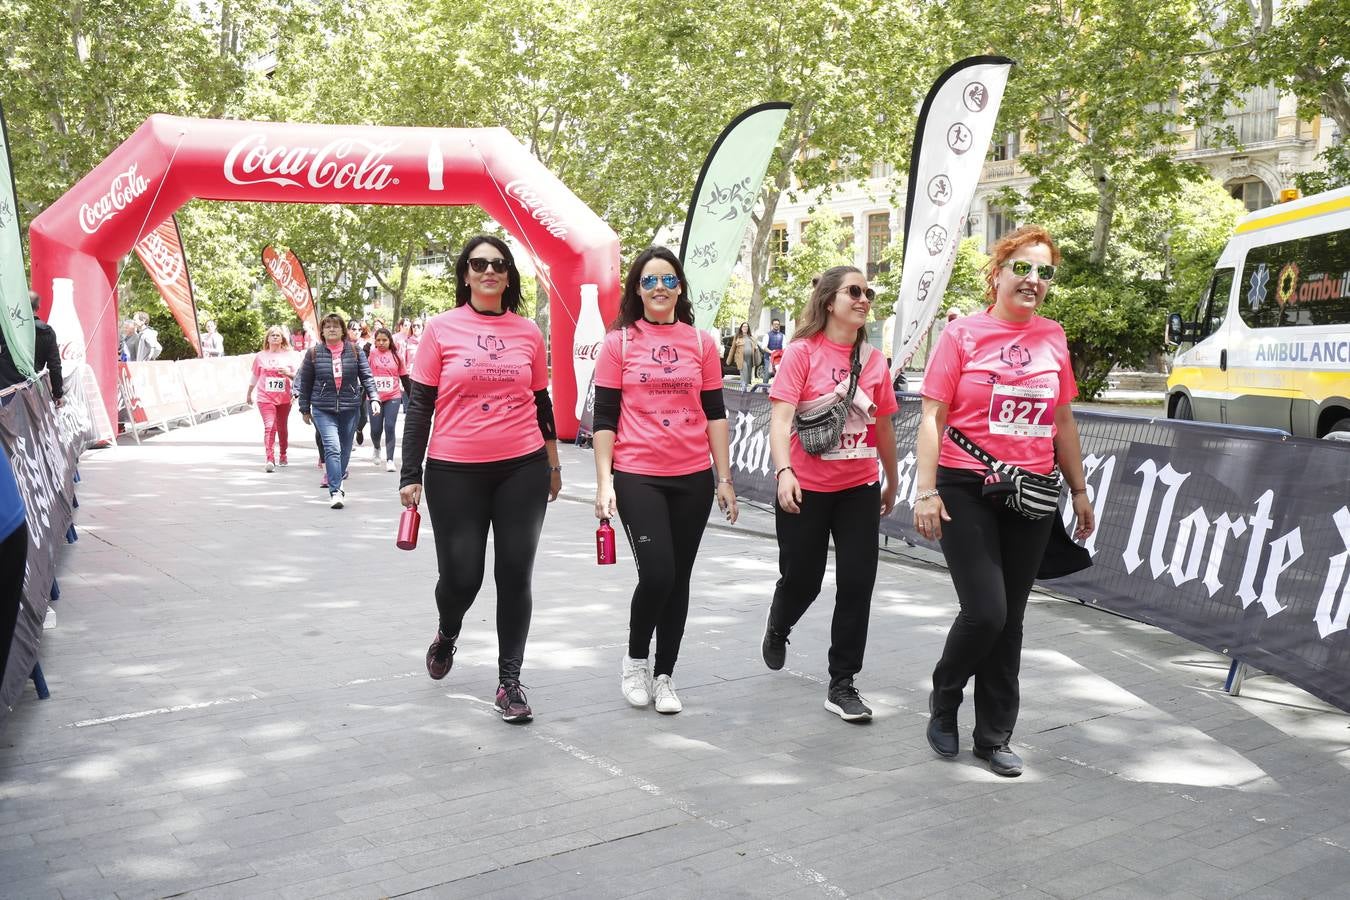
(392,348)
(630,304)
(511,297)
(817,313)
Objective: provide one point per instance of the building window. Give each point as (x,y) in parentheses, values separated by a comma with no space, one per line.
(878,238)
(1253,193)
(882,170)
(801,228)
(778,246)
(1253,117)
(1005,146)
(846,242)
(997,223)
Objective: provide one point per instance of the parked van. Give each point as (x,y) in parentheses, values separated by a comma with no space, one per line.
(1269,343)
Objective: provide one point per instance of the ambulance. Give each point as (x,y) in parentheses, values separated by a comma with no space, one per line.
(1269,343)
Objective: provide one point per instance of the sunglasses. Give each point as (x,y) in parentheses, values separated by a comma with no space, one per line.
(480,264)
(1021,268)
(670,281)
(858,293)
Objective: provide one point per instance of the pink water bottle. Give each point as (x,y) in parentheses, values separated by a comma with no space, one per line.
(604,543)
(408,524)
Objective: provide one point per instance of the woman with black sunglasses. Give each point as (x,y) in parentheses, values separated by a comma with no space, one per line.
(1003,379)
(659,419)
(479,412)
(838,492)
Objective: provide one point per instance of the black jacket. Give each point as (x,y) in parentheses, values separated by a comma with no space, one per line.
(314,382)
(48,353)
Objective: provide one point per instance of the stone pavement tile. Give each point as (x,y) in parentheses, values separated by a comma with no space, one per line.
(1201,879)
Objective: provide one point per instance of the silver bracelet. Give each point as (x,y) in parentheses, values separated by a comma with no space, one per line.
(926,495)
(555,468)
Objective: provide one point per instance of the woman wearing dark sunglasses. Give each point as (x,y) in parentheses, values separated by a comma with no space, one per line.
(837,492)
(1004,379)
(659,417)
(479,412)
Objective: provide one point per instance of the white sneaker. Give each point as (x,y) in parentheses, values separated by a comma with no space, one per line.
(636,682)
(336,500)
(375,456)
(269,467)
(666,700)
(389,466)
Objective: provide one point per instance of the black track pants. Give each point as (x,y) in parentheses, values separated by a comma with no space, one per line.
(664,518)
(851,517)
(463,499)
(993,553)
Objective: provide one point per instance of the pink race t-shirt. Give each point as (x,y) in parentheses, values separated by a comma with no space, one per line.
(272,372)
(485,370)
(385,368)
(813,367)
(662,427)
(336,351)
(1002,382)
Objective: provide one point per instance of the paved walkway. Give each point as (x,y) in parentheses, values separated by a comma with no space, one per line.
(239,709)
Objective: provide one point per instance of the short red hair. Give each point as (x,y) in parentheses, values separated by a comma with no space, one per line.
(1009,244)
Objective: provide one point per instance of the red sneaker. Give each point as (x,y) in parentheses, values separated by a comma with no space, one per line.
(440,655)
(512,703)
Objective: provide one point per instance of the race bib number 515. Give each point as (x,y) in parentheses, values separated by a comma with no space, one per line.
(1022,411)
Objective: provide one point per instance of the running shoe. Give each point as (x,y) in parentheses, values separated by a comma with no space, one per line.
(440,655)
(1002,760)
(375,456)
(269,467)
(844,702)
(666,700)
(336,499)
(282,462)
(512,703)
(389,466)
(774,646)
(635,682)
(360,437)
(942,734)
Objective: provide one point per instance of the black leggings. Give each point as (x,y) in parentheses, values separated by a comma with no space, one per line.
(463,499)
(852,516)
(993,553)
(664,518)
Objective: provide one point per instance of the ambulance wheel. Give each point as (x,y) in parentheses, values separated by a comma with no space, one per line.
(1182,411)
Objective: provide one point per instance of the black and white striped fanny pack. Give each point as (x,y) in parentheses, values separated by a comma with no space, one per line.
(1029,493)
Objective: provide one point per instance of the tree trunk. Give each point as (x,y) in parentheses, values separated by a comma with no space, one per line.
(1106,213)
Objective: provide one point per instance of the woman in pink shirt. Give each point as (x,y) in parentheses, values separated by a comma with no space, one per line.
(273,371)
(1000,380)
(660,431)
(387,370)
(479,412)
(838,492)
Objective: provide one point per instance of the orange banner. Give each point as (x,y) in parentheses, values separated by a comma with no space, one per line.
(161,252)
(289,276)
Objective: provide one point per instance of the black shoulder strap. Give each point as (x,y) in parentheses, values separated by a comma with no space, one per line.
(971,447)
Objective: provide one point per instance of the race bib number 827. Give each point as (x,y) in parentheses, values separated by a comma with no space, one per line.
(1022,411)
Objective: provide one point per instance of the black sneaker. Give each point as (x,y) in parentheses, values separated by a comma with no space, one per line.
(844,702)
(512,703)
(774,646)
(441,655)
(1001,759)
(942,734)
(360,438)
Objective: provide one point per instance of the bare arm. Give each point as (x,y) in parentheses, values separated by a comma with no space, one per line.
(885,430)
(719,441)
(1069,455)
(929,512)
(780,431)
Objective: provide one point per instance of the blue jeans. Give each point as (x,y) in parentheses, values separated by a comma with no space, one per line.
(337,431)
(386,422)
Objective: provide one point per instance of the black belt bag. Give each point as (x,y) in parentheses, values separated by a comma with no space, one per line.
(1029,493)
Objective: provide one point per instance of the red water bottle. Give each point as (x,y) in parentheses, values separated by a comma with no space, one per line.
(604,543)
(408,524)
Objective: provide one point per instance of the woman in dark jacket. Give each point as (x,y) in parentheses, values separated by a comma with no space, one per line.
(333,380)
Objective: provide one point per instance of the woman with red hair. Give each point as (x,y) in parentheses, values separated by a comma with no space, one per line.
(996,398)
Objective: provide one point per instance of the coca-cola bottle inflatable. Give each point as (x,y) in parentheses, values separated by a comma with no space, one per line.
(586,342)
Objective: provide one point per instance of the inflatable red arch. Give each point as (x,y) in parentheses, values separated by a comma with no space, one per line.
(169,160)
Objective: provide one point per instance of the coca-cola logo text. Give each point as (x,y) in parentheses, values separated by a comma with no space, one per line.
(586,351)
(279,267)
(164,263)
(341,163)
(125,188)
(539,210)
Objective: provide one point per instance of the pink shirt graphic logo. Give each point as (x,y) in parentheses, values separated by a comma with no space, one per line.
(538,208)
(124,188)
(492,344)
(665,356)
(335,164)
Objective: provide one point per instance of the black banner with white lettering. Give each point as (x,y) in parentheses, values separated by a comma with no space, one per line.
(1235,539)
(43,445)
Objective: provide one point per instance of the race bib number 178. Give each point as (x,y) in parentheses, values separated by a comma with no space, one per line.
(274,385)
(1022,411)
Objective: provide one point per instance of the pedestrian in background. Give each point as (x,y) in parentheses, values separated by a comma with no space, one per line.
(744,354)
(387,370)
(272,377)
(1001,381)
(660,436)
(836,493)
(480,414)
(213,344)
(334,378)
